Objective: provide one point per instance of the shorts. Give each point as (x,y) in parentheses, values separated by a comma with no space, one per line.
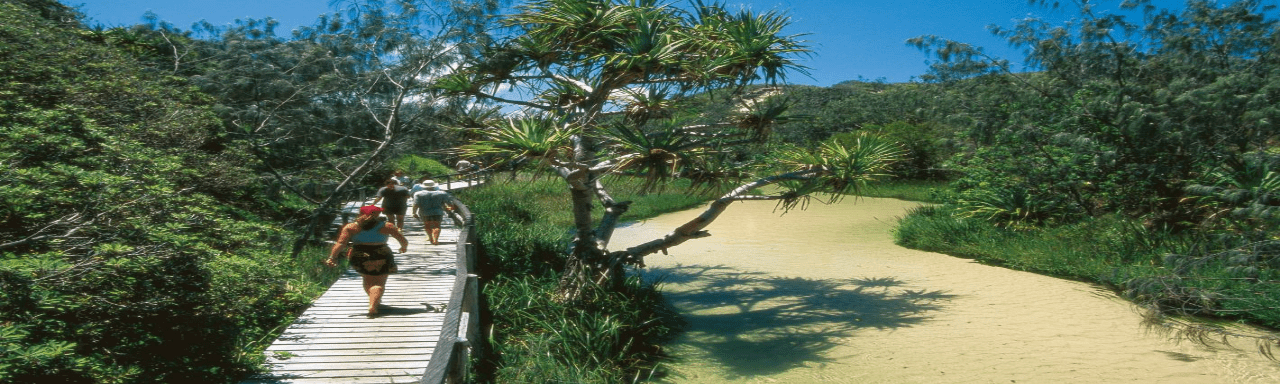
(433,218)
(395,209)
(372,259)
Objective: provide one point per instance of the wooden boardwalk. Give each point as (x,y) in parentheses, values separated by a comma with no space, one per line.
(334,341)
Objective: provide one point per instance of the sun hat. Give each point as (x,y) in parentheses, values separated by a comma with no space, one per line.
(369,209)
(429,184)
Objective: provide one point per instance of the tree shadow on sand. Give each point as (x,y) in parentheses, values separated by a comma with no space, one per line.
(755,324)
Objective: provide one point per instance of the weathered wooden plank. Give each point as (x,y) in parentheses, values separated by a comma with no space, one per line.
(344,376)
(340,380)
(381,344)
(350,366)
(334,342)
(346,353)
(345,327)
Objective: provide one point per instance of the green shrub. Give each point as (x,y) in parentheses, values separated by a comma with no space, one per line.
(609,337)
(417,167)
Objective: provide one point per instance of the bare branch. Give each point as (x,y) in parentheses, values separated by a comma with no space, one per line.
(695,228)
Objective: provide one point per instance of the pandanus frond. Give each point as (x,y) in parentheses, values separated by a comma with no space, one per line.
(460,83)
(1248,186)
(643,105)
(520,139)
(573,23)
(748,46)
(647,47)
(842,167)
(656,155)
(763,114)
(762,46)
(563,95)
(712,174)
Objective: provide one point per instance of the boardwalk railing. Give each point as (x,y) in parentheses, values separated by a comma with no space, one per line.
(460,335)
(470,177)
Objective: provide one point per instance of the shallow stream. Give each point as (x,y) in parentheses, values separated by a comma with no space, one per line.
(825,296)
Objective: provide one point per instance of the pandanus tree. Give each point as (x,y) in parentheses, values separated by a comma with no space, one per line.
(603,87)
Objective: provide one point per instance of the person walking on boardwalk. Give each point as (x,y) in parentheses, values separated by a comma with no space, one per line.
(401,179)
(417,187)
(368,252)
(429,204)
(395,201)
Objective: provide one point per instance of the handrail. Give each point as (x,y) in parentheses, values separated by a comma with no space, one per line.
(460,335)
(472,177)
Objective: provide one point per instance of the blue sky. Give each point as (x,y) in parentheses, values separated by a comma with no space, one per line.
(853,39)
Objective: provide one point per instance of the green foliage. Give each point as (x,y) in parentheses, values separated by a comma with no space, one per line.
(127,250)
(911,190)
(1010,208)
(416,166)
(1138,154)
(609,337)
(851,162)
(908,113)
(532,138)
(1120,116)
(924,149)
(612,339)
(1242,194)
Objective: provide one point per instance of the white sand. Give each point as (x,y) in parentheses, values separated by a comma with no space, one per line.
(824,296)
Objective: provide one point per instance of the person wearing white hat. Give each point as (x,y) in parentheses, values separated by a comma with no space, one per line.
(430,204)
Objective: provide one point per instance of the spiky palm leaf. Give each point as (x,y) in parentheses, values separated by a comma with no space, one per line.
(574,23)
(709,174)
(657,155)
(763,114)
(749,46)
(648,46)
(1246,187)
(641,105)
(1013,208)
(520,139)
(841,167)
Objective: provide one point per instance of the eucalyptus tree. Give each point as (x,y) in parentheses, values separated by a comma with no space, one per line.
(335,99)
(601,86)
(1120,114)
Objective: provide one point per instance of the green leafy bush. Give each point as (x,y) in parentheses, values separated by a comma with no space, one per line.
(609,337)
(127,250)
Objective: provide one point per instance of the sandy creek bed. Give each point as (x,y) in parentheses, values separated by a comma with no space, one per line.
(824,296)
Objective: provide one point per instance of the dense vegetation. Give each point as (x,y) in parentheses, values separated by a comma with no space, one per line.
(610,338)
(134,247)
(1156,137)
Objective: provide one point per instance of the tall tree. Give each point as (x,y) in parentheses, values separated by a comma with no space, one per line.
(1120,115)
(602,84)
(336,99)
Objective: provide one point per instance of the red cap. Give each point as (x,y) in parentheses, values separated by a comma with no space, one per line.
(368,209)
